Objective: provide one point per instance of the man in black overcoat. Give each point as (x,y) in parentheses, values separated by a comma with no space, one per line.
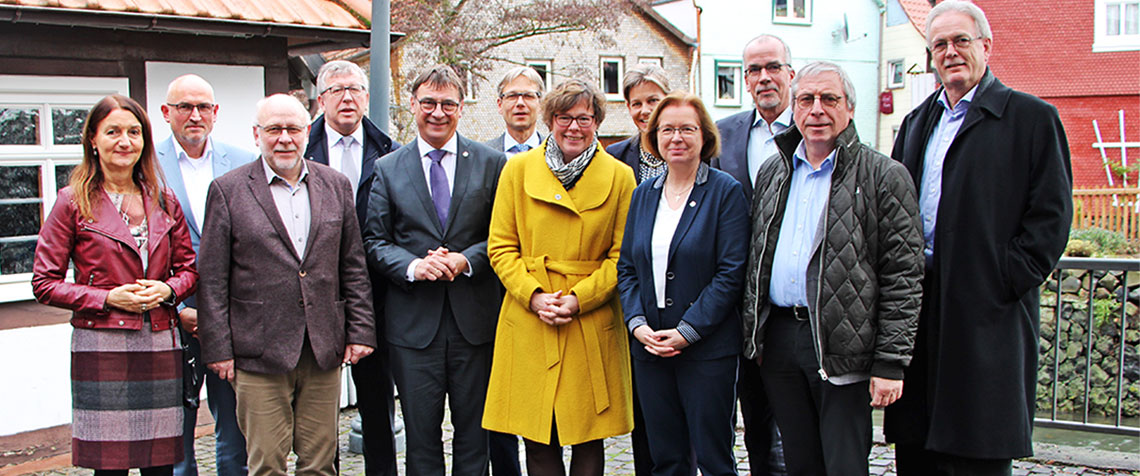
(995,189)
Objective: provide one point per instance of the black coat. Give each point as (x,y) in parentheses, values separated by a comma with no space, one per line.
(376,145)
(1003,221)
(628,152)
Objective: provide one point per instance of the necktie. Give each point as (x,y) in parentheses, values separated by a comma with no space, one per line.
(348,165)
(518,148)
(440,192)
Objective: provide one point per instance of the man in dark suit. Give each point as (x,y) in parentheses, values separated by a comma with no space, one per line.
(995,190)
(428,220)
(190,160)
(747,141)
(519,93)
(288,299)
(345,140)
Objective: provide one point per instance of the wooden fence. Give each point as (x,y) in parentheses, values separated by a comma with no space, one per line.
(1114,209)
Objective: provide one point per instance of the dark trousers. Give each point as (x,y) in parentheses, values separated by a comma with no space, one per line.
(448,366)
(639,440)
(688,407)
(229,449)
(375,400)
(826,428)
(913,460)
(504,454)
(759,426)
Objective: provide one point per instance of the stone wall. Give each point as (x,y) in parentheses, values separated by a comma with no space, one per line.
(1067,341)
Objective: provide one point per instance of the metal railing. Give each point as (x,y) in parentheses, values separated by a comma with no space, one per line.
(1090,266)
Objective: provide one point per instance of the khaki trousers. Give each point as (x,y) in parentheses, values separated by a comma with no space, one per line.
(293,411)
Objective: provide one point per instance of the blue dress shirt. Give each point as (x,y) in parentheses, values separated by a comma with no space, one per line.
(940,139)
(808,194)
(761,140)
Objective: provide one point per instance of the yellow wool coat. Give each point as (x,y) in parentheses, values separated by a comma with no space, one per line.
(546,238)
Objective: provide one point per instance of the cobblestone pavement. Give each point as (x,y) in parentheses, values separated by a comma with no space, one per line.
(619,458)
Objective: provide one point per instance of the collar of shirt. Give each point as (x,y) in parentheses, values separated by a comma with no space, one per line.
(509,141)
(198,163)
(963,104)
(332,134)
(451,147)
(799,159)
(270,174)
(784,120)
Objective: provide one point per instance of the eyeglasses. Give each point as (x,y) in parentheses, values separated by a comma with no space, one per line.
(186,108)
(960,43)
(686,131)
(806,101)
(564,120)
(276,130)
(337,90)
(772,69)
(429,104)
(524,95)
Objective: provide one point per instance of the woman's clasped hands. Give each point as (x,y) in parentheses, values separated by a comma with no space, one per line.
(554,309)
(139,296)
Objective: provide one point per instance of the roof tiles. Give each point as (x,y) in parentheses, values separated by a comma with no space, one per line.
(323,13)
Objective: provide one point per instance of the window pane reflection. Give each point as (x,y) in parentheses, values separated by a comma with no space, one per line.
(67,125)
(16,256)
(19,182)
(19,126)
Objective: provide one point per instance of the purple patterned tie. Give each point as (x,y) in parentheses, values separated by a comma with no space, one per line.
(440,192)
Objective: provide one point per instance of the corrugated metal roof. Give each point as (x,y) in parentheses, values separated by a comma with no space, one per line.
(318,13)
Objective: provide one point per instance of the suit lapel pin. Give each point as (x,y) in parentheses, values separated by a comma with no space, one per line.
(465,153)
(692,204)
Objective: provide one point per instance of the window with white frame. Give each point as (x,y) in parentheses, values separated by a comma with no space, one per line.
(612,68)
(655,60)
(797,12)
(41,122)
(1116,25)
(896,74)
(728,83)
(544,68)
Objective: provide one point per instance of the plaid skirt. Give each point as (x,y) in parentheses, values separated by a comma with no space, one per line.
(126,398)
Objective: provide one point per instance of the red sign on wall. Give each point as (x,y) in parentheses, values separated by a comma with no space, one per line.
(887,102)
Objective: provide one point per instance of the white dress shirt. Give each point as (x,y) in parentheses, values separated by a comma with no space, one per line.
(509,142)
(761,143)
(451,148)
(336,150)
(196,177)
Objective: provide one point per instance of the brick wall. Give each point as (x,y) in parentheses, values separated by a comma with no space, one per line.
(1077,114)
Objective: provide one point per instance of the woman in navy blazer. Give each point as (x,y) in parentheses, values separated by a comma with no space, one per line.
(680,275)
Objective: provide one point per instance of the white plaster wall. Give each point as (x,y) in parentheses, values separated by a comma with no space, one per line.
(726,25)
(36,374)
(236,91)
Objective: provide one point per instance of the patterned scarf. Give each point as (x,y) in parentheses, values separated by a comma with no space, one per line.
(568,173)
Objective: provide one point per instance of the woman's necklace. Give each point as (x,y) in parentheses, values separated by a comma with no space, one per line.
(674,197)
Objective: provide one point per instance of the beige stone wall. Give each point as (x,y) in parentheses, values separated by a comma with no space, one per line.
(572,55)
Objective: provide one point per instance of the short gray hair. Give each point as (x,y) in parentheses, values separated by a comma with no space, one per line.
(766,36)
(819,67)
(526,72)
(339,68)
(644,73)
(439,76)
(965,8)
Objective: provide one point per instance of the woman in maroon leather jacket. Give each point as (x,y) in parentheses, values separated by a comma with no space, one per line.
(130,245)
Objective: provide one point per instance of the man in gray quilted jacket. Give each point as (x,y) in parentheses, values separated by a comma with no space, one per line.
(834,279)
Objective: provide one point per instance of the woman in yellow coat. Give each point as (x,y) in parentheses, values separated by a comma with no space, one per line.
(561,365)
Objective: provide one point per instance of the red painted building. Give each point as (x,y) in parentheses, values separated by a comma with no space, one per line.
(1082,57)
